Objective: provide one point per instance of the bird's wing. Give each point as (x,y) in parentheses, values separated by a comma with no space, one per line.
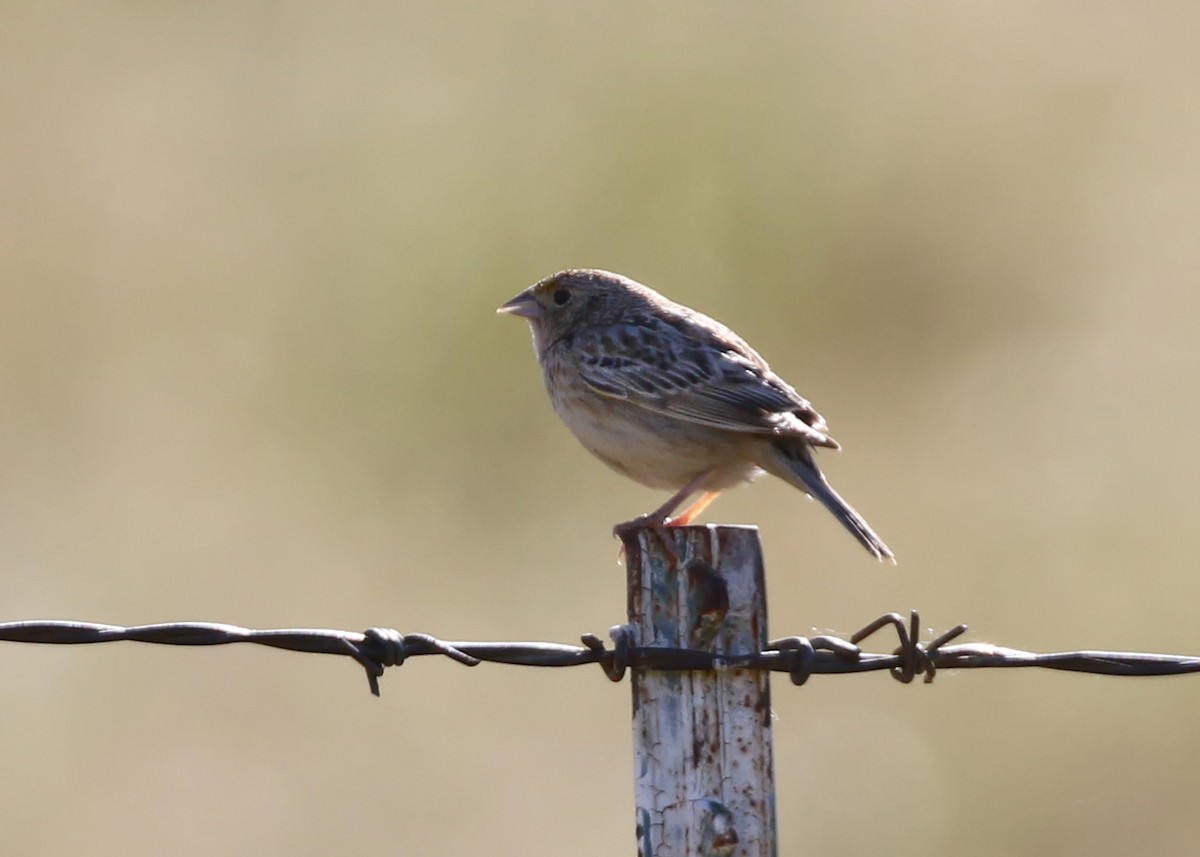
(700,372)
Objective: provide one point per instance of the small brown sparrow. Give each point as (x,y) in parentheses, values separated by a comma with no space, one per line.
(672,398)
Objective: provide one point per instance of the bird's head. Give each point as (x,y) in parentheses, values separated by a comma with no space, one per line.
(565,302)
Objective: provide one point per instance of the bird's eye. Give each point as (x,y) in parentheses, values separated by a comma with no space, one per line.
(561,297)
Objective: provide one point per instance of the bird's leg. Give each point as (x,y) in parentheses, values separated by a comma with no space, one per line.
(658,520)
(693,511)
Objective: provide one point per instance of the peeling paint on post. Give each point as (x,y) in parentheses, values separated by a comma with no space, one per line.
(703,763)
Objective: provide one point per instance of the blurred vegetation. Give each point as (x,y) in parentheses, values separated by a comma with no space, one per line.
(250,372)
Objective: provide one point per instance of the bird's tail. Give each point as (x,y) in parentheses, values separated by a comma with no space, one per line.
(794,464)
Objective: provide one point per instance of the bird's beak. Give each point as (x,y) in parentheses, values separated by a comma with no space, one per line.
(524,305)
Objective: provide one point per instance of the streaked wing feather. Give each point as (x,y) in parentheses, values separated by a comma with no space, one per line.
(691,375)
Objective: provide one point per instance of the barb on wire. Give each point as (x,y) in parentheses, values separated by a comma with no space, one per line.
(801,657)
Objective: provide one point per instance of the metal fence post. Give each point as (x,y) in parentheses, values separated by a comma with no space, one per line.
(703,765)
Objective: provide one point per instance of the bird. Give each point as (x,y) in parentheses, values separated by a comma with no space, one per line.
(672,398)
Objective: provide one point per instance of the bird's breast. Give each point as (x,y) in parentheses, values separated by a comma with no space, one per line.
(650,447)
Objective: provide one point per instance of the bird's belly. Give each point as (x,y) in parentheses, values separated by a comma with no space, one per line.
(657,450)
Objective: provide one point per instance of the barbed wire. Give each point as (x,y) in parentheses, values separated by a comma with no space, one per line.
(376,649)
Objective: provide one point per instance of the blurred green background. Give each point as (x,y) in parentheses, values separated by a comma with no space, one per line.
(250,373)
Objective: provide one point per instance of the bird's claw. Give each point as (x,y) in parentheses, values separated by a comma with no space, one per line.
(655,524)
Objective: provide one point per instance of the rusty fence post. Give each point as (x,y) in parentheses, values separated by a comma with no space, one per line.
(703,763)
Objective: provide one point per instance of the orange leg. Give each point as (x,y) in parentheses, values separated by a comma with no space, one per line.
(659,519)
(693,511)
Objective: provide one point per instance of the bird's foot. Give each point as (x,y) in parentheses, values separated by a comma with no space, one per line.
(655,523)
